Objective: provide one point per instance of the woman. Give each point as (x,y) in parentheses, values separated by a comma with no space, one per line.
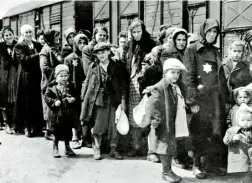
(206,93)
(103,90)
(28,107)
(68,47)
(100,35)
(40,37)
(133,55)
(8,69)
(49,58)
(77,76)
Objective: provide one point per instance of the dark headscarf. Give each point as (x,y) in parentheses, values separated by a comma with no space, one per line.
(49,36)
(207,25)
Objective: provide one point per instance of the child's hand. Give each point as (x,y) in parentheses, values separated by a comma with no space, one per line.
(57,103)
(237,137)
(195,109)
(70,99)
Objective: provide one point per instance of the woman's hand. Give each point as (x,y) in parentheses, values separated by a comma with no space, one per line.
(57,103)
(195,109)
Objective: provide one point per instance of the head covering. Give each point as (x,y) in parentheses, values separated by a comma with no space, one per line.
(206,26)
(61,67)
(49,36)
(164,27)
(5,29)
(101,46)
(148,59)
(173,63)
(175,34)
(69,31)
(77,39)
(192,38)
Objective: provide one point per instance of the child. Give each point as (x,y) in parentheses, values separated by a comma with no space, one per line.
(60,98)
(239,141)
(166,107)
(241,95)
(103,90)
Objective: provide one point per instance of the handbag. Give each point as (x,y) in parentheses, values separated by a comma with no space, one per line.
(139,113)
(121,120)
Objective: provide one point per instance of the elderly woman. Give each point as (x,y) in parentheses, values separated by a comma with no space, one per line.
(29,104)
(206,93)
(133,55)
(8,69)
(49,58)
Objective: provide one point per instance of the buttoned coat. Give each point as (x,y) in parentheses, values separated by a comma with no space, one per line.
(116,85)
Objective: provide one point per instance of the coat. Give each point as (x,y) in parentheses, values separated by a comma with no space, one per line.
(65,114)
(8,70)
(87,55)
(161,110)
(66,50)
(29,103)
(48,62)
(116,85)
(238,159)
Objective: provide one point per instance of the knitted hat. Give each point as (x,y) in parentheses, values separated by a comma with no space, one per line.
(173,63)
(61,67)
(101,46)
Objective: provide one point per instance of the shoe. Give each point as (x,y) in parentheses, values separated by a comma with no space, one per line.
(198,173)
(132,153)
(177,163)
(97,153)
(28,133)
(69,152)
(48,136)
(76,144)
(56,152)
(171,177)
(153,158)
(85,143)
(115,154)
(8,129)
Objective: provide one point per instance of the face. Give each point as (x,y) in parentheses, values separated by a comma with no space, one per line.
(81,44)
(8,37)
(103,55)
(137,33)
(28,35)
(62,77)
(245,120)
(242,98)
(41,40)
(236,52)
(101,36)
(56,40)
(181,42)
(211,35)
(172,75)
(122,41)
(70,38)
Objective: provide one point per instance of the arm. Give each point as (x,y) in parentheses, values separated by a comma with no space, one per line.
(45,65)
(50,99)
(86,83)
(87,58)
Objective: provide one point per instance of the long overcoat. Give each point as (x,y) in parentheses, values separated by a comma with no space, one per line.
(116,86)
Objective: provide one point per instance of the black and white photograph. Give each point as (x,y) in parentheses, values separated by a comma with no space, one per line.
(125,91)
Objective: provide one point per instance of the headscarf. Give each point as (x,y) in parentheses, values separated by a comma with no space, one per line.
(76,41)
(207,25)
(49,36)
(175,34)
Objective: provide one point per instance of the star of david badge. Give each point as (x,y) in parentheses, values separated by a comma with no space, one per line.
(207,68)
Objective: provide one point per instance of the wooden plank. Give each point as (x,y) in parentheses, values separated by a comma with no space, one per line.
(172,5)
(128,7)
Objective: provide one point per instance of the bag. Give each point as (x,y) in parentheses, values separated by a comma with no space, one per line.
(121,120)
(139,113)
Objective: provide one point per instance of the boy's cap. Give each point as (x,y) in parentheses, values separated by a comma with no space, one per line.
(173,63)
(101,46)
(61,67)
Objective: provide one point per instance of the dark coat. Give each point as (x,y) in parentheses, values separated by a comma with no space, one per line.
(48,62)
(64,114)
(161,111)
(66,50)
(87,55)
(8,70)
(29,104)
(116,87)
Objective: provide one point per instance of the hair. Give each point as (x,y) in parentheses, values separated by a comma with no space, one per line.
(137,23)
(6,29)
(100,27)
(122,34)
(244,109)
(39,33)
(236,43)
(237,92)
(25,27)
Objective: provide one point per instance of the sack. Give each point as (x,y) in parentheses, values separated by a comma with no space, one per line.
(139,113)
(121,120)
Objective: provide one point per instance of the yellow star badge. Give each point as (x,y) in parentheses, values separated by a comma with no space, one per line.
(207,68)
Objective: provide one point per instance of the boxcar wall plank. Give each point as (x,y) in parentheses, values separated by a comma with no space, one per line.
(174,5)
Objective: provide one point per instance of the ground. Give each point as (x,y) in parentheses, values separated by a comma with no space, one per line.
(29,160)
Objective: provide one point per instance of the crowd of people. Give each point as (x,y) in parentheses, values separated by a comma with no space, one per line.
(198,108)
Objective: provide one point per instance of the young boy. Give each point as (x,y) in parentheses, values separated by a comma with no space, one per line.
(166,107)
(60,97)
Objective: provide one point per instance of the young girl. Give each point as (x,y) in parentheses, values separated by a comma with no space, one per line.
(165,102)
(60,98)
(241,96)
(239,141)
(103,90)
